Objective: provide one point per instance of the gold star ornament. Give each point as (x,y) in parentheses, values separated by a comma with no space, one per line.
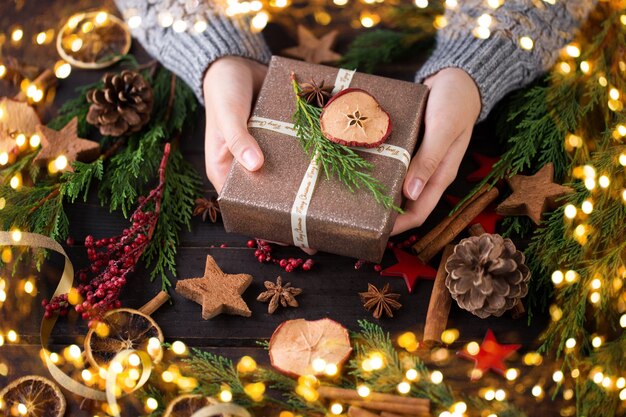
(312,49)
(216,291)
(533,195)
(65,143)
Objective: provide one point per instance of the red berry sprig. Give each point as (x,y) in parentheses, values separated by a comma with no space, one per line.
(263,254)
(113,259)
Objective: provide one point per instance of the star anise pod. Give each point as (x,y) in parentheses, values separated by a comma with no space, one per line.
(381,301)
(207,208)
(313,92)
(278,293)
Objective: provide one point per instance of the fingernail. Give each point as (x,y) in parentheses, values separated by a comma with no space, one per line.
(415,188)
(250,159)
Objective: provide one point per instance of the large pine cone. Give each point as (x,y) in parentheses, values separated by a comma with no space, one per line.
(123,106)
(487,275)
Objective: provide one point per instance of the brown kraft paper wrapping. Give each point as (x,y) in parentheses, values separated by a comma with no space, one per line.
(338,221)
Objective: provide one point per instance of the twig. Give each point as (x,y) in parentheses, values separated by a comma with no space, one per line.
(43,201)
(112,149)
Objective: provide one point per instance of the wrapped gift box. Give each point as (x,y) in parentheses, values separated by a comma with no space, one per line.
(339,221)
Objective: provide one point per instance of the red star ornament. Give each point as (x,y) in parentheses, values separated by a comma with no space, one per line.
(490,356)
(410,268)
(488,218)
(485,163)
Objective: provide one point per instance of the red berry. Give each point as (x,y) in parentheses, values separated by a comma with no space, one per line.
(251,243)
(289,268)
(306,267)
(223,245)
(378,268)
(261,258)
(283,263)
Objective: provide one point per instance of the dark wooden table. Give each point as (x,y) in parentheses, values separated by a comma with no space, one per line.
(330,289)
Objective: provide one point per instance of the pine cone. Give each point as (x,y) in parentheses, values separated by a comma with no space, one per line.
(122,106)
(487,275)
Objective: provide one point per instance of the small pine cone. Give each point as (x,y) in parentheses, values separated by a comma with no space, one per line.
(487,275)
(122,106)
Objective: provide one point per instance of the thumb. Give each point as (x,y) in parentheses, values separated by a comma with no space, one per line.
(243,146)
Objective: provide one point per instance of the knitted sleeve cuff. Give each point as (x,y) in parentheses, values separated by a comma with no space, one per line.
(496,64)
(188,54)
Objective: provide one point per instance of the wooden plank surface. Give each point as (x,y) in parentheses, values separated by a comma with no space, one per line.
(330,289)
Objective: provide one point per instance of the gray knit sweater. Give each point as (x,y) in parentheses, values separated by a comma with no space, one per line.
(497,64)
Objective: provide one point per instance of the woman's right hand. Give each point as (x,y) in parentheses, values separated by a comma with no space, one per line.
(230,84)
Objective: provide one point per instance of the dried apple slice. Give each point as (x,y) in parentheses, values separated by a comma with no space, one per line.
(353,117)
(295,344)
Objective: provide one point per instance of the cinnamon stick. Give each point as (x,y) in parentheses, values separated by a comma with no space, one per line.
(421,244)
(354,411)
(397,408)
(344,394)
(44,81)
(518,309)
(440,300)
(458,224)
(154,304)
(388,414)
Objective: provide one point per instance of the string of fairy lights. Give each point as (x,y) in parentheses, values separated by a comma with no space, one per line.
(260,12)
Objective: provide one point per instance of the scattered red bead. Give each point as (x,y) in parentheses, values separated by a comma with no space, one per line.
(263,253)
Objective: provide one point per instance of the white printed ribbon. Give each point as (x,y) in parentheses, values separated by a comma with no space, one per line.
(305,192)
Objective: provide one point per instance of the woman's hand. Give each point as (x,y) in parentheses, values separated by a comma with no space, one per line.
(451,111)
(229,87)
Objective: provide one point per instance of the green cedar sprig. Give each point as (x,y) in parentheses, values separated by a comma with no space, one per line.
(124,171)
(336,160)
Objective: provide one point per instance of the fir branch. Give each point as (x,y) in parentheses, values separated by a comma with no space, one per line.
(335,159)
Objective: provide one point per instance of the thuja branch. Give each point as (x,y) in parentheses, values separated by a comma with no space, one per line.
(335,159)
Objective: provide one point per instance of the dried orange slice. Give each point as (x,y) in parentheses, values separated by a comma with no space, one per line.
(296,344)
(93,40)
(118,330)
(187,404)
(32,396)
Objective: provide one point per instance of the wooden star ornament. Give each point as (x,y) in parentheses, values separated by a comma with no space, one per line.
(67,143)
(216,291)
(16,117)
(490,356)
(533,195)
(410,268)
(312,49)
